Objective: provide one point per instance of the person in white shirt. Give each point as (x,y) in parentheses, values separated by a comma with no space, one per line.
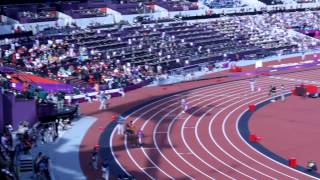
(252,85)
(282,91)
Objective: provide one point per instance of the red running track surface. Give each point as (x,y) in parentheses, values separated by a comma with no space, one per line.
(295,128)
(202,143)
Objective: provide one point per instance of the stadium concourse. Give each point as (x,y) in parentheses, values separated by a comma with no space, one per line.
(203,143)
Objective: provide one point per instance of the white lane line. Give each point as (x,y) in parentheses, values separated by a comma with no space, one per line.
(112,134)
(302,75)
(201,118)
(205,89)
(159,122)
(135,162)
(216,87)
(195,154)
(151,167)
(214,139)
(244,141)
(152,148)
(197,136)
(218,145)
(195,92)
(189,148)
(187,144)
(227,138)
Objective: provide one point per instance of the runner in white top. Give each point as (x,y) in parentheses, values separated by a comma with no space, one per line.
(184,105)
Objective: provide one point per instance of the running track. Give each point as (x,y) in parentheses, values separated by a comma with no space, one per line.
(203,143)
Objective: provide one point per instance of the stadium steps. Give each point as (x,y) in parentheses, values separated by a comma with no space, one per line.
(26,167)
(26,163)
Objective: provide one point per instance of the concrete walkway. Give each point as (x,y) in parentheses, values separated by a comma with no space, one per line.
(64,153)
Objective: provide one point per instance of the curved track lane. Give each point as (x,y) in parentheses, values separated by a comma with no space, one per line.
(203,143)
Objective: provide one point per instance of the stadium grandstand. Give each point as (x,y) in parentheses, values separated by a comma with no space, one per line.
(159,89)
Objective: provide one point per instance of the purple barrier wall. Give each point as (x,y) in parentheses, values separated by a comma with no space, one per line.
(18,110)
(1,112)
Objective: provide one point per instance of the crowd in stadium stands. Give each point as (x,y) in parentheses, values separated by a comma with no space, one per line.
(174,5)
(119,56)
(38,15)
(92,12)
(222,3)
(133,7)
(148,20)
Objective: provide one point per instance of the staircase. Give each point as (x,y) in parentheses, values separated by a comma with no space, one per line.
(26,166)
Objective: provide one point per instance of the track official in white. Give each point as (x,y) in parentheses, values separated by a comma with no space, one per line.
(252,85)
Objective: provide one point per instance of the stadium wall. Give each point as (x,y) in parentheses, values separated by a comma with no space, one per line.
(16,111)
